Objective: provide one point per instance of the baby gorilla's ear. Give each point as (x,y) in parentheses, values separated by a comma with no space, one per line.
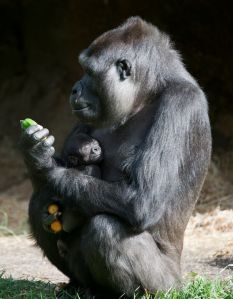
(123,68)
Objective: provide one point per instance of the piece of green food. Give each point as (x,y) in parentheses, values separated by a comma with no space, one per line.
(27,122)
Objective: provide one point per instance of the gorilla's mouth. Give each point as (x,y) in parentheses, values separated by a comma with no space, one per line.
(79,109)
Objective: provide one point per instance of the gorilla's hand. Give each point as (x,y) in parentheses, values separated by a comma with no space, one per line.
(36,146)
(50,221)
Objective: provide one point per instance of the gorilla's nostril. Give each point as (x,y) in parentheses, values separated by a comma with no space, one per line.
(77,90)
(95,150)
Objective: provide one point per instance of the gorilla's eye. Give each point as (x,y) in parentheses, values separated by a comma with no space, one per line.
(89,72)
(124,68)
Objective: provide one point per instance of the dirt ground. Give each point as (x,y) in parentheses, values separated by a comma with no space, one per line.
(208,250)
(208,245)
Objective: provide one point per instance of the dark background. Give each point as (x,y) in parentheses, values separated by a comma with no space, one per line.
(39,46)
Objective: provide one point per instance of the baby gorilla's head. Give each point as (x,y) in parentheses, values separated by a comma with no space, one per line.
(83,150)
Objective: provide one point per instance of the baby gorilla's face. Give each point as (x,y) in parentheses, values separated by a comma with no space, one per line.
(84,151)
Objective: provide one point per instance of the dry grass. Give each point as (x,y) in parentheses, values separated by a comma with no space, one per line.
(218,187)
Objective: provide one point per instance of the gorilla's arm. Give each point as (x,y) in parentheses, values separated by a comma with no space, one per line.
(166,167)
(172,161)
(39,155)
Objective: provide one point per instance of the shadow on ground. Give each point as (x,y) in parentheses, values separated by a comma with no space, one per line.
(222,262)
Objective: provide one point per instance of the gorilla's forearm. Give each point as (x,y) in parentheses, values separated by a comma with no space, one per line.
(94,196)
(36,175)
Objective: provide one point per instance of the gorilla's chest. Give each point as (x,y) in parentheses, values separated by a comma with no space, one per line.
(115,150)
(120,146)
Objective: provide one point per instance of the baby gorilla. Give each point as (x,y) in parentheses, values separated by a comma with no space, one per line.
(84,153)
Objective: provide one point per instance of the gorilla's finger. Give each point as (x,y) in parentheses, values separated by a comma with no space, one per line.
(43,145)
(49,141)
(52,150)
(32,129)
(27,136)
(48,151)
(49,218)
(39,135)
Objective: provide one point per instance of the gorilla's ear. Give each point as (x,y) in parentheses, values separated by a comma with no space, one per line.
(123,68)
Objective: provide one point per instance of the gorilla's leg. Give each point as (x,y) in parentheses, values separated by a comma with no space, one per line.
(122,261)
(45,240)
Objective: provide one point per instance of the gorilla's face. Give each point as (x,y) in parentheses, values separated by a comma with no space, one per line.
(107,93)
(123,67)
(104,95)
(85,101)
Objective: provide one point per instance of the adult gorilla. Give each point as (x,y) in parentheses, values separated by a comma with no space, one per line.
(151,119)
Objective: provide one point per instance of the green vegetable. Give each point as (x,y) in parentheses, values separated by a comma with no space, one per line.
(27,122)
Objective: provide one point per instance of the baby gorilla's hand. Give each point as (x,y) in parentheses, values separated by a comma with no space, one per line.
(37,147)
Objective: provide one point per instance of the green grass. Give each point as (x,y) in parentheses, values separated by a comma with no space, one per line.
(12,289)
(198,288)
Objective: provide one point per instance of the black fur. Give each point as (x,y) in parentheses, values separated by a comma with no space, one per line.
(152,124)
